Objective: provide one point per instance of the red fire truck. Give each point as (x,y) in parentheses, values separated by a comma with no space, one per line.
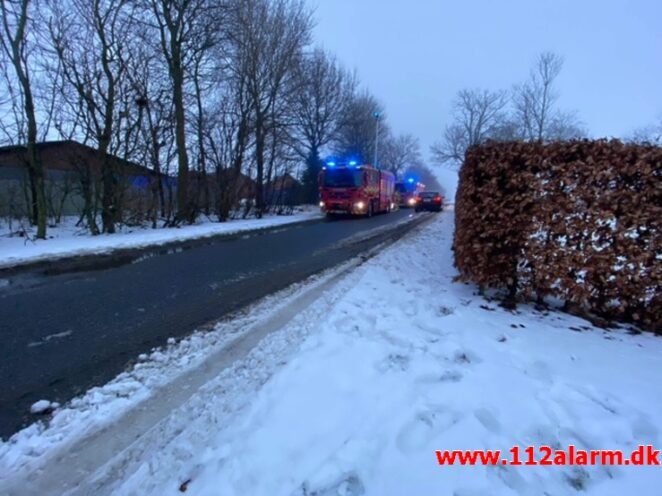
(355,189)
(407,192)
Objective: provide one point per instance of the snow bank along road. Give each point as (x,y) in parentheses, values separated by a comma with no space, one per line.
(354,394)
(64,333)
(69,247)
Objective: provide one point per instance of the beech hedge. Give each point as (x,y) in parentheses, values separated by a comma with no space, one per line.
(578,221)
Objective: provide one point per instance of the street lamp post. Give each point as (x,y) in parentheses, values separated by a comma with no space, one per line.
(376,116)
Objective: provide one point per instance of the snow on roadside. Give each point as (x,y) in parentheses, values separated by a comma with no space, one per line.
(407,362)
(67,240)
(43,406)
(354,396)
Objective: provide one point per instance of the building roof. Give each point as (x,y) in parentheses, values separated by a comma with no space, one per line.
(286,181)
(69,155)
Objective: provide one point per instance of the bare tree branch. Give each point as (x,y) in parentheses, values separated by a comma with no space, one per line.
(477,116)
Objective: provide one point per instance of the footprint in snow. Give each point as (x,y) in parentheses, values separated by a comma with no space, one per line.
(465,357)
(348,484)
(424,429)
(488,420)
(433,332)
(445,311)
(448,376)
(411,308)
(577,478)
(643,430)
(509,476)
(543,435)
(394,362)
(343,323)
(608,403)
(540,370)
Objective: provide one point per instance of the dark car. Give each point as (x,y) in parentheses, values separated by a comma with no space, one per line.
(429,200)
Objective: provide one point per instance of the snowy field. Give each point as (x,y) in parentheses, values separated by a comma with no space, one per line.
(354,395)
(67,240)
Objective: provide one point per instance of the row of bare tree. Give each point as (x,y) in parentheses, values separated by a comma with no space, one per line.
(648,134)
(528,112)
(204,89)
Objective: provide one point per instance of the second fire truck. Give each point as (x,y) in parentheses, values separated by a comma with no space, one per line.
(407,192)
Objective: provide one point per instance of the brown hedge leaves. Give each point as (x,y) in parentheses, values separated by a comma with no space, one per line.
(579,221)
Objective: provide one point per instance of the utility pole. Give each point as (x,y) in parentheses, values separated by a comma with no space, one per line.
(376,116)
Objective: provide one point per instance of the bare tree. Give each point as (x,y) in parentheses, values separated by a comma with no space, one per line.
(534,100)
(230,136)
(356,137)
(318,106)
(273,34)
(565,126)
(477,115)
(227,142)
(15,42)
(12,122)
(534,104)
(201,120)
(648,134)
(93,41)
(185,28)
(154,97)
(281,159)
(400,152)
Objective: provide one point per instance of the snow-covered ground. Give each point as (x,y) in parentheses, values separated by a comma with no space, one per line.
(67,240)
(355,394)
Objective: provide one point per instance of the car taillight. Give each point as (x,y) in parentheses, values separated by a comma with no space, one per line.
(437,199)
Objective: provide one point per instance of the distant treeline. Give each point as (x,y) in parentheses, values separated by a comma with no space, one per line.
(209,91)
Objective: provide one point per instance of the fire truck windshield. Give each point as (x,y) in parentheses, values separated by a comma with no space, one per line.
(405,187)
(343,178)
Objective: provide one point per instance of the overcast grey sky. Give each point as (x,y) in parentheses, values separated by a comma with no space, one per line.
(414,55)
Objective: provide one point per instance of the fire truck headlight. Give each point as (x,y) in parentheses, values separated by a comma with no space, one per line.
(360,205)
(321,204)
(412,201)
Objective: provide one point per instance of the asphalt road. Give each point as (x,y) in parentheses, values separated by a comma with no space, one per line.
(62,334)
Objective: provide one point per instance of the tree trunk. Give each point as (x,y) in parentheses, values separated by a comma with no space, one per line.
(33,158)
(108,208)
(38,171)
(259,160)
(31,200)
(88,198)
(311,188)
(183,206)
(202,157)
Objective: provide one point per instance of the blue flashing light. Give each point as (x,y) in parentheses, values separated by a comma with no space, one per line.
(331,164)
(353,163)
(411,180)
